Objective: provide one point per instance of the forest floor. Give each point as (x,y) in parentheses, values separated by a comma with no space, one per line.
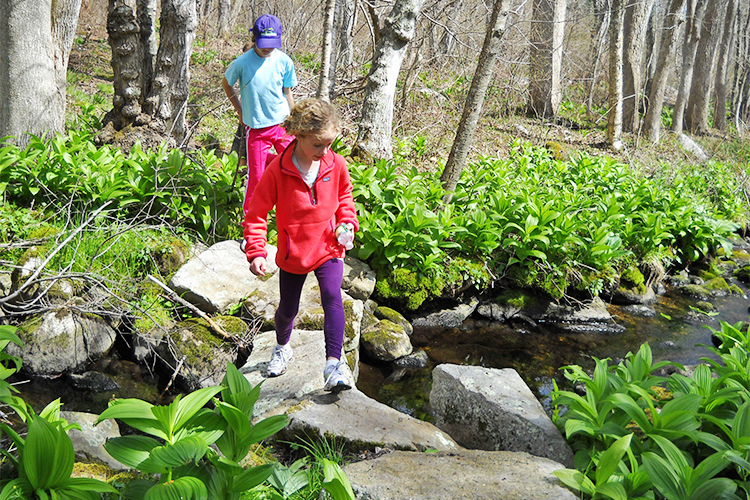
(427,113)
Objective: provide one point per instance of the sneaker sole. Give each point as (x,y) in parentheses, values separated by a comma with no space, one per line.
(338,388)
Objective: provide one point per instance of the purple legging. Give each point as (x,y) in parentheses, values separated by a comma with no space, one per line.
(329,275)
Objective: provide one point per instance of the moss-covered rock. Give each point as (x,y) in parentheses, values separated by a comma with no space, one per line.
(386,341)
(717,287)
(394,316)
(743,274)
(697,292)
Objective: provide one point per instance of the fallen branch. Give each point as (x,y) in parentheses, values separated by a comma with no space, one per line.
(174,375)
(171,295)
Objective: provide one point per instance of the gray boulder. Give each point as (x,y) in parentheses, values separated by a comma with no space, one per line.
(491,409)
(386,341)
(462,475)
(63,340)
(218,277)
(448,318)
(625,296)
(362,424)
(303,376)
(692,147)
(359,280)
(594,311)
(93,382)
(88,442)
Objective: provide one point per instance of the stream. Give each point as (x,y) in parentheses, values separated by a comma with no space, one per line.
(673,334)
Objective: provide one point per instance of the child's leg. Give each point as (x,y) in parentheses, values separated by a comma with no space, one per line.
(290,289)
(329,277)
(280,141)
(259,141)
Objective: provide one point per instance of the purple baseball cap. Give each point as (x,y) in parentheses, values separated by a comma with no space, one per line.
(267,31)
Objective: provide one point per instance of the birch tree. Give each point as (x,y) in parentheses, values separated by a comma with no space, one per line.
(694,20)
(324,81)
(636,21)
(376,120)
(35,41)
(704,71)
(616,36)
(475,98)
(722,67)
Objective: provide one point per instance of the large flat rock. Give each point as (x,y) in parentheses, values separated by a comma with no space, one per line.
(350,416)
(466,474)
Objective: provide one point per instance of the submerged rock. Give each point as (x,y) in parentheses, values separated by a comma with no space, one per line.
(448,318)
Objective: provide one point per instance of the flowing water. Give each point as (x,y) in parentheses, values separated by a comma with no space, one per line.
(537,353)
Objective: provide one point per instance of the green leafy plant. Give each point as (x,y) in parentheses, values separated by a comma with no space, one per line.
(178,436)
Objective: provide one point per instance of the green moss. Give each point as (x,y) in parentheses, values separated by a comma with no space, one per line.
(706,275)
(743,274)
(717,285)
(408,288)
(557,151)
(704,305)
(632,276)
(204,339)
(735,290)
(516,298)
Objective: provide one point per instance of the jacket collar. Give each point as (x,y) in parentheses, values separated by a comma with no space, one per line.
(288,167)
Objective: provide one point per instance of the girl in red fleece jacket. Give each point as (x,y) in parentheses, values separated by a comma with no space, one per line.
(310,187)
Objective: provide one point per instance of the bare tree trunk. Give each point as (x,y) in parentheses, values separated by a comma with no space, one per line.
(695,12)
(223,17)
(696,112)
(475,98)
(346,20)
(722,68)
(35,41)
(637,16)
(151,90)
(603,14)
(545,56)
(374,135)
(325,86)
(616,43)
(652,121)
(742,29)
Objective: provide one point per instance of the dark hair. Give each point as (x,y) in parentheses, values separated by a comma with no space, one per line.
(312,116)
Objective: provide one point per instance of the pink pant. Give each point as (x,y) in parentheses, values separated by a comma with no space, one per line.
(259,142)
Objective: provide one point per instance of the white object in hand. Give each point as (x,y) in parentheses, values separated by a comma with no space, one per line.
(346,238)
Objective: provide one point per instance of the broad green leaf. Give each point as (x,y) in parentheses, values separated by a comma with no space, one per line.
(615,491)
(265,428)
(16,489)
(187,450)
(672,453)
(48,455)
(335,481)
(250,478)
(132,451)
(238,421)
(190,404)
(715,489)
(665,478)
(183,488)
(610,459)
(89,484)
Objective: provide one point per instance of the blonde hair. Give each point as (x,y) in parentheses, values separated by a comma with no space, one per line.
(312,117)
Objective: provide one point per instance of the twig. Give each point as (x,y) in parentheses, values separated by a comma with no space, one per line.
(54,252)
(174,375)
(173,296)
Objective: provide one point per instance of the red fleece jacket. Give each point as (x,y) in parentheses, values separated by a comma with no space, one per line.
(306,218)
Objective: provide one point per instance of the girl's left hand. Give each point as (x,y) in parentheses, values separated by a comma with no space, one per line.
(340,228)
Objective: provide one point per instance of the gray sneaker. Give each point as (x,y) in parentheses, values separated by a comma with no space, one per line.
(337,378)
(280,357)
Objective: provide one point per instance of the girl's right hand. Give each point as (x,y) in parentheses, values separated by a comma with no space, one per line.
(258,266)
